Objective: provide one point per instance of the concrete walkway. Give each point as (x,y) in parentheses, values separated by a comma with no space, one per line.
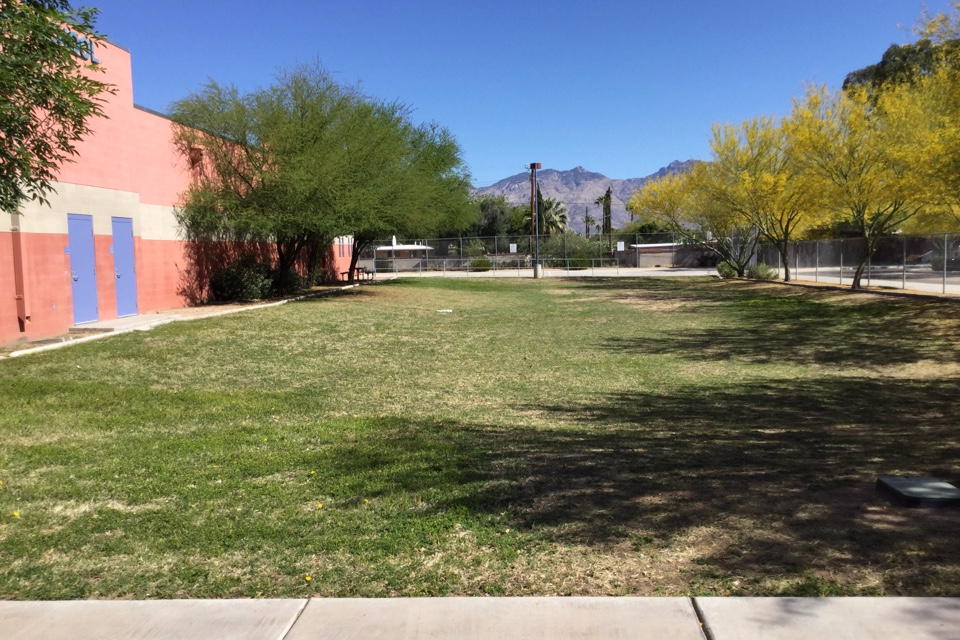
(493,618)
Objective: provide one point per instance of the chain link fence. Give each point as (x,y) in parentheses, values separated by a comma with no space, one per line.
(922,263)
(565,251)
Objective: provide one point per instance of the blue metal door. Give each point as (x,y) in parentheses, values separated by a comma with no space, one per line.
(83,268)
(124,267)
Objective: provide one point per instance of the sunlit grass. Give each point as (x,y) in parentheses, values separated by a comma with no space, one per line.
(545,437)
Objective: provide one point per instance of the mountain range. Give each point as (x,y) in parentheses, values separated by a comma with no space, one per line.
(578,189)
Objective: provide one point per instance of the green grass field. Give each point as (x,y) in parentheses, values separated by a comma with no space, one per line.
(587,437)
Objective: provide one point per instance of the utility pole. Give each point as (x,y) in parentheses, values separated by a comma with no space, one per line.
(535,218)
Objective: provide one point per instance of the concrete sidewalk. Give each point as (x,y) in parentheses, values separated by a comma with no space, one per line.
(493,618)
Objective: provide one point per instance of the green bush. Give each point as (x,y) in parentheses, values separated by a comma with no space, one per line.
(242,280)
(579,261)
(481,264)
(290,282)
(761,272)
(726,270)
(474,249)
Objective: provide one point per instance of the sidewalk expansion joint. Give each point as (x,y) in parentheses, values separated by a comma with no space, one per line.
(704,627)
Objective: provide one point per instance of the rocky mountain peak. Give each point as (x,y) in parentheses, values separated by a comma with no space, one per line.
(578,189)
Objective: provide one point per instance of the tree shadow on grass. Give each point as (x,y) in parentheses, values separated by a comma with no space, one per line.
(788,472)
(780,479)
(763,324)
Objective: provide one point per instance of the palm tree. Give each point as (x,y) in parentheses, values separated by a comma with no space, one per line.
(605,201)
(588,221)
(552,214)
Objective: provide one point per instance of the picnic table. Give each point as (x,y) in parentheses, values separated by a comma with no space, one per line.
(360,274)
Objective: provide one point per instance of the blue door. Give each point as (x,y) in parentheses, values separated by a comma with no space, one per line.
(124,267)
(83,268)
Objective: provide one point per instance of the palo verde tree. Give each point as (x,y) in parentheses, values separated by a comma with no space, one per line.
(841,144)
(755,177)
(49,93)
(688,206)
(921,125)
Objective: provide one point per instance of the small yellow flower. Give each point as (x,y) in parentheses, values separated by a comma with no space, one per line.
(313,473)
(16,514)
(319,505)
(307,578)
(365,501)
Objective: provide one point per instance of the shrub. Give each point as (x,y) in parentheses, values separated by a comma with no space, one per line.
(481,264)
(290,282)
(761,272)
(726,270)
(579,261)
(242,280)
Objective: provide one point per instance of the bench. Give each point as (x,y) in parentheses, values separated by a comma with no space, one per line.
(360,274)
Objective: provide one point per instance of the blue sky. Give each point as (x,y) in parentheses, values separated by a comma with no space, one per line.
(621,88)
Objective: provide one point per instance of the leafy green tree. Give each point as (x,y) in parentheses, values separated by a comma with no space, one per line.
(418,189)
(266,163)
(307,159)
(495,216)
(48,93)
(900,64)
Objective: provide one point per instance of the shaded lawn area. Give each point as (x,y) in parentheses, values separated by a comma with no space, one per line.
(587,436)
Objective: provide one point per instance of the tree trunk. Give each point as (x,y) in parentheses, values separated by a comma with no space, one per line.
(359,244)
(784,260)
(869,248)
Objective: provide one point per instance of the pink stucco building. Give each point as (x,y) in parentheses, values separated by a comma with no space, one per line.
(108,244)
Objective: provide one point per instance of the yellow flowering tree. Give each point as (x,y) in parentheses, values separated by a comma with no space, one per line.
(840,142)
(686,205)
(756,178)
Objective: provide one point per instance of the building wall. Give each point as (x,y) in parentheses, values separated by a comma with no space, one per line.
(127,168)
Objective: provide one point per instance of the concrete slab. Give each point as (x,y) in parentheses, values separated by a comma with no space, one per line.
(498,619)
(146,321)
(919,491)
(154,619)
(834,618)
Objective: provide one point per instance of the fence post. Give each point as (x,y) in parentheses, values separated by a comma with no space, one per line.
(796,260)
(841,263)
(816,271)
(496,252)
(944,263)
(903,275)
